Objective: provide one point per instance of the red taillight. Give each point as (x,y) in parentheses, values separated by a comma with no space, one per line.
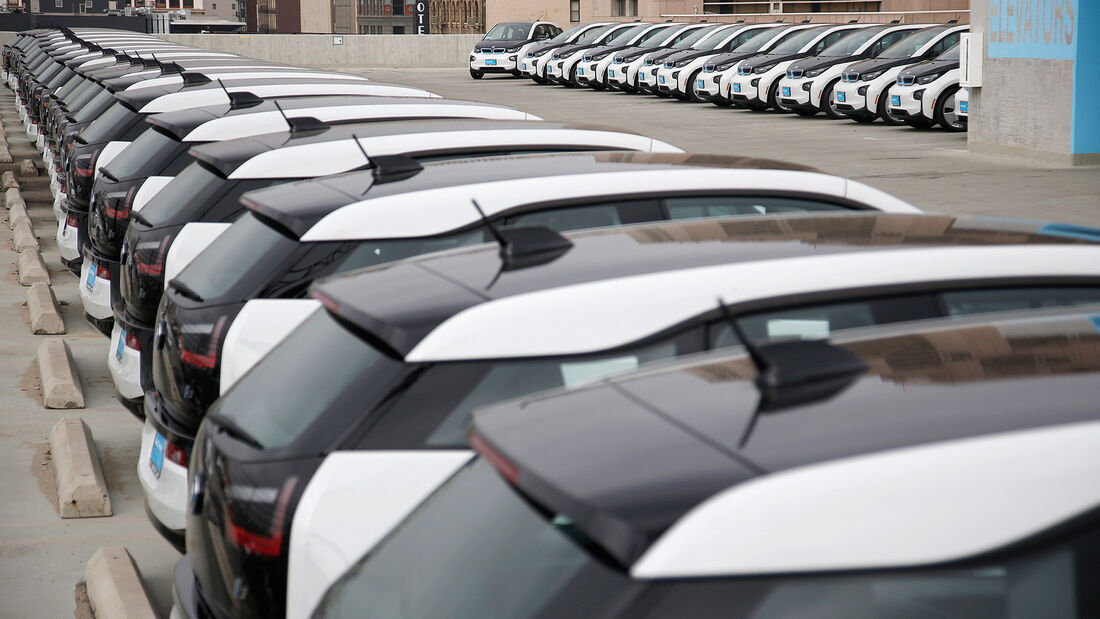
(122,210)
(101,272)
(172,452)
(153,268)
(132,342)
(210,359)
(504,466)
(327,302)
(269,544)
(88,171)
(71,221)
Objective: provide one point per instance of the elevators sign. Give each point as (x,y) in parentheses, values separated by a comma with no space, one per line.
(421,17)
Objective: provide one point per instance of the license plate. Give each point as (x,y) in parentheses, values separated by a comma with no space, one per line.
(490,62)
(840,97)
(702,84)
(611,72)
(661,79)
(523,66)
(895,99)
(963,105)
(156,458)
(580,70)
(90,282)
(786,91)
(737,88)
(121,345)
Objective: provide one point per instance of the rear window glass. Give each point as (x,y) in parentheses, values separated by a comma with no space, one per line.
(723,206)
(248,242)
(575,218)
(109,125)
(195,183)
(1011,300)
(149,154)
(374,252)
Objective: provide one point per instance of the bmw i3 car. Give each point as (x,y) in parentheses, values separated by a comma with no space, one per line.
(530,61)
(678,73)
(559,67)
(504,43)
(926,93)
(625,72)
(719,69)
(864,88)
(596,62)
(807,88)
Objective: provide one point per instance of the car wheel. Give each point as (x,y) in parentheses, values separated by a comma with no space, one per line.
(476,74)
(773,100)
(945,107)
(693,84)
(538,80)
(597,85)
(828,105)
(882,113)
(805,112)
(920,123)
(572,81)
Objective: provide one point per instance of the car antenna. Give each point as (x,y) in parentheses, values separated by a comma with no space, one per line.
(522,247)
(239,100)
(794,373)
(388,168)
(300,124)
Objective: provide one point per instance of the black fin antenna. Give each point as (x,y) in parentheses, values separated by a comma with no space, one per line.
(522,247)
(366,158)
(300,124)
(238,100)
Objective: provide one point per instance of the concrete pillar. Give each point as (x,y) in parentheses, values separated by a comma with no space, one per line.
(1036,90)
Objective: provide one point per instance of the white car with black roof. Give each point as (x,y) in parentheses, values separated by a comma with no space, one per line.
(562,61)
(593,71)
(531,61)
(807,88)
(499,51)
(756,83)
(864,88)
(602,302)
(718,70)
(678,73)
(925,94)
(625,72)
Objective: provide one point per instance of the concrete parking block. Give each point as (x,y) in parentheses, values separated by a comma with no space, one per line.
(27,168)
(60,382)
(31,269)
(7,179)
(81,488)
(114,586)
(12,196)
(45,316)
(5,154)
(17,213)
(23,237)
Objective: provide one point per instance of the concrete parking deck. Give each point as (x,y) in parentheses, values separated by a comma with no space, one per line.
(932,169)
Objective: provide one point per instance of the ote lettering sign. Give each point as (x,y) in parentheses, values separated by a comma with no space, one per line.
(421,16)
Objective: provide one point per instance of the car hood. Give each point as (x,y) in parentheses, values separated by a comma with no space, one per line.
(490,45)
(928,67)
(819,62)
(879,64)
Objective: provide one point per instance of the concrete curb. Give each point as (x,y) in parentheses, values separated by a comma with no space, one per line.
(27,168)
(17,212)
(44,314)
(7,179)
(81,490)
(114,586)
(60,381)
(23,237)
(32,270)
(5,155)
(12,196)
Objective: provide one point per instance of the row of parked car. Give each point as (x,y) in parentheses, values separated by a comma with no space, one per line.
(899,73)
(404,356)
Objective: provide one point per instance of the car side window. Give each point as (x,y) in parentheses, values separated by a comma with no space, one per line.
(944,44)
(965,302)
(587,216)
(829,39)
(888,40)
(724,206)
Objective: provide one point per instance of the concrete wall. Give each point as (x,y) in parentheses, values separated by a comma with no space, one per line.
(315,50)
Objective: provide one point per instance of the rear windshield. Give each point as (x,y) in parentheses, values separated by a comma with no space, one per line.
(849,44)
(483,550)
(149,154)
(109,125)
(194,183)
(248,245)
(910,44)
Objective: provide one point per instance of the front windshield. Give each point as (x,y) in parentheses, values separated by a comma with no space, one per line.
(757,42)
(508,32)
(624,35)
(656,33)
(908,46)
(849,44)
(592,35)
(564,35)
(689,41)
(491,555)
(794,43)
(951,54)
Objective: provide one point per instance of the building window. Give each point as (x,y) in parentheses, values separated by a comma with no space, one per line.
(188,4)
(574,10)
(58,3)
(624,8)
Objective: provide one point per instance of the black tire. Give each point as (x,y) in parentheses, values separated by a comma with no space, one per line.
(773,99)
(516,73)
(883,114)
(920,123)
(476,74)
(722,102)
(862,117)
(805,112)
(945,116)
(538,80)
(692,95)
(572,81)
(827,105)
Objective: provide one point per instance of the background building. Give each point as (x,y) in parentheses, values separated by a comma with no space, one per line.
(289,16)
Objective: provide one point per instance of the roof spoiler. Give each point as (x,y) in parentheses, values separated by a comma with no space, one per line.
(391,168)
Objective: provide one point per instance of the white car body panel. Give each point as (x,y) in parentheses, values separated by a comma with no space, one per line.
(161,55)
(125,368)
(241,73)
(109,152)
(875,88)
(352,502)
(148,190)
(419,214)
(166,495)
(925,106)
(198,98)
(561,321)
(962,103)
(95,298)
(320,159)
(922,505)
(259,327)
(191,240)
(817,84)
(66,240)
(742,84)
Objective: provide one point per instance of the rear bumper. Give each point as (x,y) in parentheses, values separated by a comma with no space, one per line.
(187,599)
